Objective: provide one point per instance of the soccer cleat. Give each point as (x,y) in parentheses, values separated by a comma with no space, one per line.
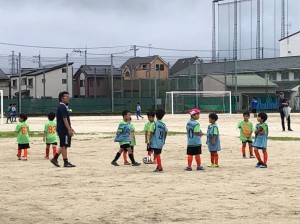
(252,156)
(211,165)
(244,157)
(188,169)
(158,170)
(263,166)
(136,164)
(114,163)
(200,168)
(19,158)
(259,164)
(24,159)
(69,165)
(127,163)
(290,129)
(54,162)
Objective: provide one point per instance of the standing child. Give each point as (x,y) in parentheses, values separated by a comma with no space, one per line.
(8,114)
(50,136)
(246,129)
(261,140)
(158,135)
(213,140)
(64,130)
(124,138)
(22,137)
(151,117)
(132,142)
(194,134)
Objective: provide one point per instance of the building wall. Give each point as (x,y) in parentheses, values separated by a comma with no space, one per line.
(5,88)
(290,46)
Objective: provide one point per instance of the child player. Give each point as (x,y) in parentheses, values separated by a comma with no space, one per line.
(22,137)
(194,134)
(50,136)
(246,128)
(158,135)
(151,117)
(132,142)
(261,139)
(213,140)
(124,138)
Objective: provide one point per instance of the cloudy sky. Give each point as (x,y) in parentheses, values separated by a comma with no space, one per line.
(179,24)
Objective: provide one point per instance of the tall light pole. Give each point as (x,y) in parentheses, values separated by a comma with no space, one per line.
(213,50)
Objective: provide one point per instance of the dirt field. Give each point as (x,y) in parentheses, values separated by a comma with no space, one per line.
(35,191)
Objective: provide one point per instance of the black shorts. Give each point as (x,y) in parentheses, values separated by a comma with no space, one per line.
(64,140)
(23,146)
(156,151)
(125,146)
(253,111)
(148,148)
(247,141)
(193,150)
(54,143)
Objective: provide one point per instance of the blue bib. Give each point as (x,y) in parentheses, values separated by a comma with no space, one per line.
(192,139)
(159,134)
(124,135)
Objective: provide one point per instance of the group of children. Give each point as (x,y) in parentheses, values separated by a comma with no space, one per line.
(156,133)
(11,113)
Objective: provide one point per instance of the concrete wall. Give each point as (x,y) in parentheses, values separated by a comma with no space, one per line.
(5,88)
(290,46)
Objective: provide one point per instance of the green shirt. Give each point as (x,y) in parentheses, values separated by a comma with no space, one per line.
(50,131)
(22,130)
(152,127)
(132,133)
(246,129)
(147,131)
(120,130)
(264,126)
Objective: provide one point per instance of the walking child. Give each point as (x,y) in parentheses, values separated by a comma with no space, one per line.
(246,129)
(22,131)
(194,144)
(261,140)
(50,136)
(213,140)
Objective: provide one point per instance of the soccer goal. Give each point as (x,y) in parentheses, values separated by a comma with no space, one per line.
(178,102)
(2,118)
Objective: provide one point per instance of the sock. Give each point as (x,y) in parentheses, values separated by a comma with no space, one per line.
(265,157)
(125,156)
(149,153)
(159,165)
(212,158)
(117,157)
(257,155)
(250,150)
(54,150)
(47,152)
(216,158)
(131,157)
(155,157)
(66,161)
(244,150)
(198,160)
(25,153)
(56,156)
(190,160)
(19,152)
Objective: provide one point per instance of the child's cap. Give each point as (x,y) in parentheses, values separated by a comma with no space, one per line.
(194,111)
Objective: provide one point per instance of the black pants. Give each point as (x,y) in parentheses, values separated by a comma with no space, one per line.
(282,120)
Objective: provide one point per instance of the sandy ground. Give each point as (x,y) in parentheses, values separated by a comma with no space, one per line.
(97,192)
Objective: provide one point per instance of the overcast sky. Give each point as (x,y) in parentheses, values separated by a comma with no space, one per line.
(181,24)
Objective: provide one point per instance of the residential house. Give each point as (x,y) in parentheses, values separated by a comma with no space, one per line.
(95,81)
(4,84)
(46,81)
(282,71)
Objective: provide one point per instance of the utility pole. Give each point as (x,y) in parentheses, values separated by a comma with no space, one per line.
(282,19)
(20,89)
(155,94)
(258,31)
(112,82)
(44,83)
(67,72)
(135,50)
(197,82)
(235,53)
(213,52)
(13,63)
(85,57)
(95,83)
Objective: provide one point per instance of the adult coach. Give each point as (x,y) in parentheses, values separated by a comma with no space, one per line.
(282,104)
(138,111)
(64,129)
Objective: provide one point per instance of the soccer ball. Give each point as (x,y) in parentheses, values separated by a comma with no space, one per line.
(147,160)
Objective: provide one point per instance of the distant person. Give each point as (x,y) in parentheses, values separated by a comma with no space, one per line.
(138,111)
(254,105)
(14,112)
(8,114)
(50,136)
(64,130)
(22,131)
(283,106)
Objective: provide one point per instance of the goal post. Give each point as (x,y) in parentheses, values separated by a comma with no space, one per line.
(178,102)
(2,115)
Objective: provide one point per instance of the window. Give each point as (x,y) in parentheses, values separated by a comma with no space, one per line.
(24,82)
(30,82)
(64,70)
(160,67)
(297,75)
(284,75)
(144,67)
(64,81)
(273,77)
(81,83)
(127,74)
(14,83)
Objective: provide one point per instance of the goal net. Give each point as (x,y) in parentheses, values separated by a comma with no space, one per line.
(178,102)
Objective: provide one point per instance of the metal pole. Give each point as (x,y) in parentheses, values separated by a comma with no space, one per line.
(172,102)
(155,94)
(20,89)
(67,71)
(235,84)
(44,83)
(197,81)
(2,115)
(112,82)
(95,83)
